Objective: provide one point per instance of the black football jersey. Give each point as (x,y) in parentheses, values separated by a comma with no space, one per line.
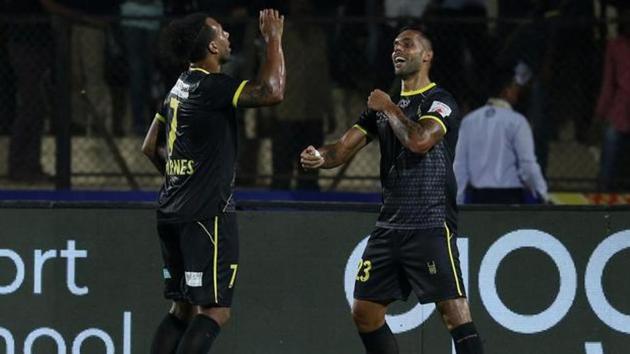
(201,141)
(418,190)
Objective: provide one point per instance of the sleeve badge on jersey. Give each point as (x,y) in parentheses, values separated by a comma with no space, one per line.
(441,108)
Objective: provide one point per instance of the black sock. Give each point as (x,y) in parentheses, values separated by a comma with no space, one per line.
(381,341)
(467,340)
(168,334)
(199,336)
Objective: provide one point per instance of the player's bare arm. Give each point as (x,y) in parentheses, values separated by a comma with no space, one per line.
(152,148)
(418,137)
(268,89)
(335,154)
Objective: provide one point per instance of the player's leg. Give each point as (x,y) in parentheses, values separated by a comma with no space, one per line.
(369,317)
(211,262)
(456,316)
(377,284)
(203,329)
(172,328)
(174,324)
(430,260)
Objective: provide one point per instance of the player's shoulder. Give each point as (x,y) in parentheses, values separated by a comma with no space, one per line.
(441,93)
(216,81)
(438,99)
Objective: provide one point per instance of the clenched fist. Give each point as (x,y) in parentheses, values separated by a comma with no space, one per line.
(311,159)
(379,101)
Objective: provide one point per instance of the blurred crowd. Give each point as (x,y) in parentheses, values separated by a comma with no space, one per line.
(335,51)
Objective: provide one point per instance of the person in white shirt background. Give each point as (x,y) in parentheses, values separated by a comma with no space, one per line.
(495,161)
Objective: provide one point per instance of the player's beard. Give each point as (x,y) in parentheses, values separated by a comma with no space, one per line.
(408,71)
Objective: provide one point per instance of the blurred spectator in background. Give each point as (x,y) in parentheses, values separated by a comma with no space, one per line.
(140,37)
(349,71)
(463,49)
(30,44)
(117,75)
(175,8)
(614,104)
(90,97)
(307,99)
(405,8)
(573,69)
(7,83)
(535,43)
(494,159)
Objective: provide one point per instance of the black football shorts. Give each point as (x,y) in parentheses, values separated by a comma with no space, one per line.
(200,260)
(398,261)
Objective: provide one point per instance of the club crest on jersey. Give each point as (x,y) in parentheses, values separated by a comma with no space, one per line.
(404,103)
(381,118)
(441,108)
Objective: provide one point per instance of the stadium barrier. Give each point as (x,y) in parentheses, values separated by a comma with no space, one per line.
(86,278)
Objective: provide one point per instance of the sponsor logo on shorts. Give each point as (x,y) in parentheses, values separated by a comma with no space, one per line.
(432,267)
(194,279)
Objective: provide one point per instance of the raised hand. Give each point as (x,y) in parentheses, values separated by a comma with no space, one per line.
(271,24)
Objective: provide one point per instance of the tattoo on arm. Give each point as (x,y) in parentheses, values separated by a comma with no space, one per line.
(405,129)
(330,156)
(414,136)
(344,149)
(255,96)
(269,88)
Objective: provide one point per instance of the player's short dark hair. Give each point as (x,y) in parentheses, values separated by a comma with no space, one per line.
(421,29)
(186,39)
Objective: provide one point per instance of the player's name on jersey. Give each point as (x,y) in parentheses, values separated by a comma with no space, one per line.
(180,167)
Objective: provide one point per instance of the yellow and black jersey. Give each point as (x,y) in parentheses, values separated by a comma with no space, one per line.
(418,190)
(201,141)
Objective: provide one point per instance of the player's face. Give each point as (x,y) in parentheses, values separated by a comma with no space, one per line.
(221,39)
(408,53)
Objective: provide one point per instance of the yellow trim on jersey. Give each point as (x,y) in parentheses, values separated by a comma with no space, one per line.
(365,132)
(450,256)
(199,69)
(160,118)
(419,91)
(216,258)
(435,119)
(237,94)
(361,129)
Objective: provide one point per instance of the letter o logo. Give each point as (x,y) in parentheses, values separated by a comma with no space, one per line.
(593,281)
(513,241)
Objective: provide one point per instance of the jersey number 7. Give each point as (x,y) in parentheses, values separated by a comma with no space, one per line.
(172,133)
